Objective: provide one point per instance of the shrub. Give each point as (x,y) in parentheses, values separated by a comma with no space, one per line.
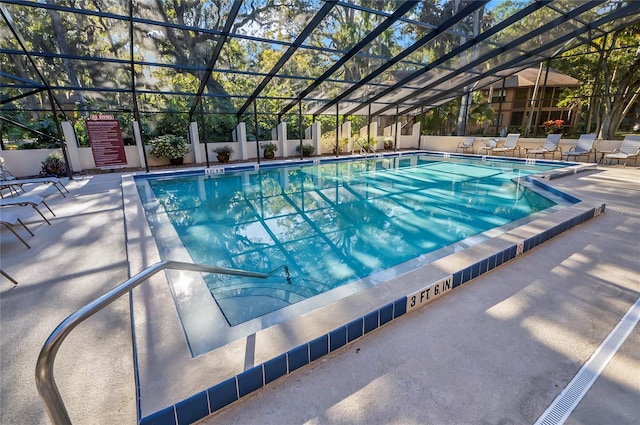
(307,150)
(54,164)
(268,146)
(228,150)
(169,146)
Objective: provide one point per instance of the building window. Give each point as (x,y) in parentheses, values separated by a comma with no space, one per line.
(521,98)
(517,119)
(499,96)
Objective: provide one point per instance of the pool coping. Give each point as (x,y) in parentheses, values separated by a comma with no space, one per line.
(175,388)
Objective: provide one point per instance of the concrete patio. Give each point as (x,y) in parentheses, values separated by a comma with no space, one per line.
(498,350)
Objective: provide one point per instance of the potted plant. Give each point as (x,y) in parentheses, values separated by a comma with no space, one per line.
(54,165)
(224,153)
(329,142)
(269,150)
(342,143)
(169,146)
(388,142)
(368,144)
(307,150)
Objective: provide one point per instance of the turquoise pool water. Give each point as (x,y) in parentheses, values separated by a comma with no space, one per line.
(317,227)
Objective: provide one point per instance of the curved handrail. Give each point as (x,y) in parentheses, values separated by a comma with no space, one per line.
(45,381)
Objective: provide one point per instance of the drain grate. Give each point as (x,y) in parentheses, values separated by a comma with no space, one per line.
(569,398)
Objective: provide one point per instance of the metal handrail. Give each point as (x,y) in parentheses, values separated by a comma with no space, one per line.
(45,381)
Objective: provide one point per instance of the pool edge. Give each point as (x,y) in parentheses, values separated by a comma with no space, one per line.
(221,394)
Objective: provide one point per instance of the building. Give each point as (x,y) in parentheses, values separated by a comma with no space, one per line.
(513,100)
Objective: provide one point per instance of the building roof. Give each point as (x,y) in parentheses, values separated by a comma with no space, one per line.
(527,78)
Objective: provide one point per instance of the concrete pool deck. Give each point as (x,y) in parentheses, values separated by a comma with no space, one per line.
(498,350)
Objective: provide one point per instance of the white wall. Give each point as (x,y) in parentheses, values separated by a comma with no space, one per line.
(27,162)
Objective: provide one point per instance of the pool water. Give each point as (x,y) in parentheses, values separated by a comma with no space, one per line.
(317,227)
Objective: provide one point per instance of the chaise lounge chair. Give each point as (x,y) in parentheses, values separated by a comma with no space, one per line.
(18,183)
(489,146)
(10,219)
(8,180)
(583,147)
(32,200)
(467,145)
(630,149)
(550,146)
(510,145)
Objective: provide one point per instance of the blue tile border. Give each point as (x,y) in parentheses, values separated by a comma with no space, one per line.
(192,409)
(371,321)
(215,398)
(163,417)
(222,394)
(250,380)
(319,347)
(569,168)
(386,314)
(337,338)
(355,329)
(298,357)
(275,368)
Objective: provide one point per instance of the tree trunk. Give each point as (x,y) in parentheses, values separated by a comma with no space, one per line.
(59,35)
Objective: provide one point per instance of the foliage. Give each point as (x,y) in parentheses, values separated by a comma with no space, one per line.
(54,164)
(224,149)
(307,150)
(481,111)
(174,59)
(29,145)
(169,146)
(609,70)
(329,141)
(553,126)
(269,147)
(368,143)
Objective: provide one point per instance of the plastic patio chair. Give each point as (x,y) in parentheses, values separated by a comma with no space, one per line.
(510,145)
(488,146)
(23,200)
(467,145)
(8,180)
(584,146)
(630,149)
(9,219)
(14,183)
(550,146)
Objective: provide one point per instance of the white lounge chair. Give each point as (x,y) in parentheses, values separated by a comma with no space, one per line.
(23,200)
(488,147)
(584,146)
(630,149)
(550,146)
(467,145)
(10,219)
(8,180)
(510,145)
(12,184)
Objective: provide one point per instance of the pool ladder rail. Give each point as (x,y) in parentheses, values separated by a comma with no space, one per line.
(45,381)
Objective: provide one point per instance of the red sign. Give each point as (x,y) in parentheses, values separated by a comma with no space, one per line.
(106,142)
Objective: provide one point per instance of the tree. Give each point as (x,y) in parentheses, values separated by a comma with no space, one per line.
(609,68)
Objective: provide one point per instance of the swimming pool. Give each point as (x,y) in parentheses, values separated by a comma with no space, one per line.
(325,230)
(190,362)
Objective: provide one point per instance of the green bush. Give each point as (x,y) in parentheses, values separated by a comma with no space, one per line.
(307,150)
(169,146)
(54,165)
(225,149)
